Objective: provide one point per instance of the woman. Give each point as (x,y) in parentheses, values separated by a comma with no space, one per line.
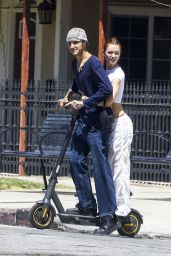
(122,130)
(89,78)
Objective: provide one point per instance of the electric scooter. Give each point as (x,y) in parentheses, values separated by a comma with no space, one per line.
(43,212)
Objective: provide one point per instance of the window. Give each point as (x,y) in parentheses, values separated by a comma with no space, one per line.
(133,34)
(146,41)
(161,62)
(32,28)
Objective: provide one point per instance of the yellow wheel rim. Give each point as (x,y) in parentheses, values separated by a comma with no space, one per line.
(133,227)
(47,215)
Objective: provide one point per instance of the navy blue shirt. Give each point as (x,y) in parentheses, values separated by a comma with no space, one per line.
(92,81)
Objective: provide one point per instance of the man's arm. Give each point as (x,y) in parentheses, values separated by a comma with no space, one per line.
(104,87)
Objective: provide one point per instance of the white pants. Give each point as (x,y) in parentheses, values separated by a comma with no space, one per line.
(119,158)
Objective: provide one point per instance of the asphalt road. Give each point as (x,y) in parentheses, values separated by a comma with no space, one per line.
(29,241)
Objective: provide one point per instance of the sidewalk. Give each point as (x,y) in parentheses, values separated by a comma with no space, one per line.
(153,200)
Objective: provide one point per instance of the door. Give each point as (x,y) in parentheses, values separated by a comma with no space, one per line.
(18,45)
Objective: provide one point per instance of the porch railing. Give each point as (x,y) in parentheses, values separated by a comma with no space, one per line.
(148,104)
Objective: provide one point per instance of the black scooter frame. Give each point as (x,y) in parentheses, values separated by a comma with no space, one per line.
(47,209)
(51,194)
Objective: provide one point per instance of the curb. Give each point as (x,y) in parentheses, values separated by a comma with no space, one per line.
(13,217)
(20,217)
(150,183)
(8,217)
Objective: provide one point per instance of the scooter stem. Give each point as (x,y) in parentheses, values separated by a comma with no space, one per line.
(58,162)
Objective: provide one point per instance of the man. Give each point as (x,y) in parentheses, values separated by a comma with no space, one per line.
(90,136)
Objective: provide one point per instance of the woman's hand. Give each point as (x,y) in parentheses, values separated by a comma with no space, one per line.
(84,97)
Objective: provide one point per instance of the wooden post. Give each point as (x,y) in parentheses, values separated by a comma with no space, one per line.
(101,30)
(24,81)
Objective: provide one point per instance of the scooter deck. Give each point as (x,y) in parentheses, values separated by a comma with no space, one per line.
(79,219)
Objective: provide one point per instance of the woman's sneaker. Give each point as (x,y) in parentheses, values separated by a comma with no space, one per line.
(124,219)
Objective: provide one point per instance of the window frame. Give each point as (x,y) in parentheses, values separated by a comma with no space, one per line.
(150,13)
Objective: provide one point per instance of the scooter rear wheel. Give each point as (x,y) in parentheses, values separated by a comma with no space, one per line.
(36,218)
(132,228)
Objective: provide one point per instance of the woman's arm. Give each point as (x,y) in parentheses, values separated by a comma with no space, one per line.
(115,84)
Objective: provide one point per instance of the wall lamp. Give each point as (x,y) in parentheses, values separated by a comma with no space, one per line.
(45,10)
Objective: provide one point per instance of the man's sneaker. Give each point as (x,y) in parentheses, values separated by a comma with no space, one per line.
(80,211)
(108,225)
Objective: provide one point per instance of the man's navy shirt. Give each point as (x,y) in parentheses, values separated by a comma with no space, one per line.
(92,81)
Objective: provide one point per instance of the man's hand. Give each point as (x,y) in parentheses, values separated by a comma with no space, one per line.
(62,102)
(75,104)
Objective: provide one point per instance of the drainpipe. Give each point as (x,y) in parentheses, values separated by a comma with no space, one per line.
(24,81)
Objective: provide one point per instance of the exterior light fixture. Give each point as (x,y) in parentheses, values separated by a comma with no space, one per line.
(45,10)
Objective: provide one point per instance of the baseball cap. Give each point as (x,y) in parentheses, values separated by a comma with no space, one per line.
(76,34)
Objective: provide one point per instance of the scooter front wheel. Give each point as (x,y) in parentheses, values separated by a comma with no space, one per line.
(40,219)
(132,227)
